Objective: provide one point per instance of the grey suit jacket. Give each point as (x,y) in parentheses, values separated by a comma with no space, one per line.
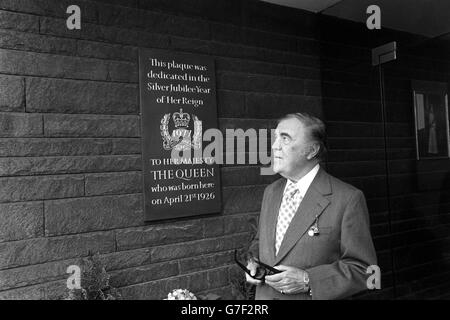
(336,259)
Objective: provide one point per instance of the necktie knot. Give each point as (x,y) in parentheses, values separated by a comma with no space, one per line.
(291,189)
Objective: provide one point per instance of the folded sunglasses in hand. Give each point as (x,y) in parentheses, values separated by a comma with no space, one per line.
(262,269)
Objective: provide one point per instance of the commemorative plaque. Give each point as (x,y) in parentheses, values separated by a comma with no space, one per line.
(178,104)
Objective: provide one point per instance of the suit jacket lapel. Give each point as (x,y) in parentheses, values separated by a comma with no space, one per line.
(312,205)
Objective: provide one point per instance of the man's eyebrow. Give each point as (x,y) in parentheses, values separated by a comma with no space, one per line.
(285,134)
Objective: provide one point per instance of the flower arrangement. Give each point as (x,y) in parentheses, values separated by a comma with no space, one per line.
(181,294)
(95,282)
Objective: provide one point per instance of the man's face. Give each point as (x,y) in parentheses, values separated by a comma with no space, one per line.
(290,148)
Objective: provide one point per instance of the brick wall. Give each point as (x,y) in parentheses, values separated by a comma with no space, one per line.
(70,154)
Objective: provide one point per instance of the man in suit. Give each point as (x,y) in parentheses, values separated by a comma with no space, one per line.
(313,227)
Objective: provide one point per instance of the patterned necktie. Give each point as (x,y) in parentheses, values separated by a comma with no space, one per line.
(289,205)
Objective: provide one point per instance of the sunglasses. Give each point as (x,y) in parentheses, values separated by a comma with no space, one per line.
(262,269)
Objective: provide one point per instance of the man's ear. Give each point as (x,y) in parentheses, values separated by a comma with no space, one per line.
(313,151)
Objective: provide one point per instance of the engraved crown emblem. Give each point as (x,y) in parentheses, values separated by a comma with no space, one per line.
(181,119)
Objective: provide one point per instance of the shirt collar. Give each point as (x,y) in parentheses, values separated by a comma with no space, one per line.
(304,183)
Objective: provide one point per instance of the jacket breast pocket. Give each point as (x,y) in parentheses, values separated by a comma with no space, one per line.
(323,246)
(325,230)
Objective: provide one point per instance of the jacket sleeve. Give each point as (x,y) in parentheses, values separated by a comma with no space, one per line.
(347,276)
(254,246)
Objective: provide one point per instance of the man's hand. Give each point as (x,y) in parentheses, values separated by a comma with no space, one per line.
(290,281)
(252,267)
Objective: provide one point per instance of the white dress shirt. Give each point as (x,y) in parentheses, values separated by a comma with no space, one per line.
(304,183)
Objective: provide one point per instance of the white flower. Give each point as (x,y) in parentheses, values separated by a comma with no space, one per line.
(181,294)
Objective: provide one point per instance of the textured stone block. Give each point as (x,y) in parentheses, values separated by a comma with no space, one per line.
(35,42)
(41,250)
(102,33)
(62,125)
(291,58)
(18,21)
(349,129)
(49,65)
(126,259)
(303,72)
(313,88)
(263,54)
(100,50)
(331,75)
(355,155)
(241,52)
(206,262)
(195,283)
(227,33)
(254,67)
(55,290)
(127,146)
(190,45)
(29,147)
(34,274)
(114,183)
(231,104)
(357,169)
(89,31)
(280,19)
(184,249)
(144,274)
(12,96)
(242,199)
(168,285)
(50,95)
(213,227)
(245,176)
(145,291)
(241,223)
(91,214)
(355,143)
(123,72)
(154,22)
(62,165)
(246,124)
(272,106)
(351,110)
(203,9)
(49,7)
(343,90)
(158,234)
(38,188)
(260,83)
(225,293)
(270,40)
(195,248)
(21,221)
(218,277)
(20,125)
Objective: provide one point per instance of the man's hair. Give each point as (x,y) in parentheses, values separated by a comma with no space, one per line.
(316,129)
